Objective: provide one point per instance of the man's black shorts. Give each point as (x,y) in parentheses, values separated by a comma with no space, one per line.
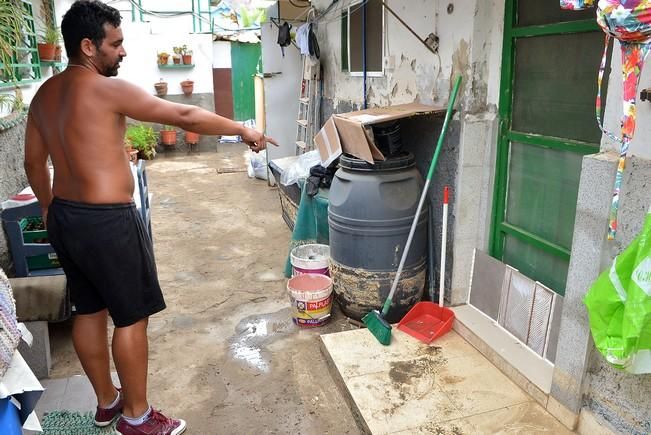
(108,259)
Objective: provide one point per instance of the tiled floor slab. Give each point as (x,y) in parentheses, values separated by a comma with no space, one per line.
(447,387)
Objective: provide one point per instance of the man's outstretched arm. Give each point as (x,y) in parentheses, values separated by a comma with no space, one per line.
(135,103)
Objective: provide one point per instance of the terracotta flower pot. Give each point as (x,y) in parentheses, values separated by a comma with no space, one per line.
(176,60)
(46,51)
(187,59)
(187,86)
(191,137)
(57,53)
(161,88)
(168,137)
(163,59)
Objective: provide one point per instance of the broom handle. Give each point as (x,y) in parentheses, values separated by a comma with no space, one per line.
(439,145)
(444,238)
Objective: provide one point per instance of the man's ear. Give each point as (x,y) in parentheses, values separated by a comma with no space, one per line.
(88,47)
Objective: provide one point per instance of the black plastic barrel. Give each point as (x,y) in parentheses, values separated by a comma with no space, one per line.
(388,138)
(370,212)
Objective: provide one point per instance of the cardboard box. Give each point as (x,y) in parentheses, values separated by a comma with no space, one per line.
(351,132)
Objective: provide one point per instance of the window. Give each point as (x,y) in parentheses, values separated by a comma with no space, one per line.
(18,54)
(352,38)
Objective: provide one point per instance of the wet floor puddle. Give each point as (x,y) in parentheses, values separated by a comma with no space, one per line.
(254,333)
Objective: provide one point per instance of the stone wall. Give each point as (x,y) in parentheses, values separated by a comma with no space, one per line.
(12,175)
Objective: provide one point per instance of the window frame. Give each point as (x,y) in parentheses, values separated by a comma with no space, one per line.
(34,63)
(346,52)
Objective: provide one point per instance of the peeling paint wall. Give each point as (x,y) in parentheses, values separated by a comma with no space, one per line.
(12,176)
(470,41)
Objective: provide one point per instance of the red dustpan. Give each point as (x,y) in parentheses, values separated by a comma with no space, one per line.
(427,321)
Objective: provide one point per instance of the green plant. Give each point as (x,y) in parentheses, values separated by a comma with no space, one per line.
(50,33)
(143,139)
(12,26)
(168,127)
(177,50)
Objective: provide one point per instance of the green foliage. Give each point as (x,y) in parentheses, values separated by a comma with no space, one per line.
(50,34)
(168,127)
(12,25)
(143,139)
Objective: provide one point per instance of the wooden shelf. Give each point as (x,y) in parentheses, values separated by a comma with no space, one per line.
(175,66)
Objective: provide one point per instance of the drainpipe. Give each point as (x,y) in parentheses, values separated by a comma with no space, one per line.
(364,50)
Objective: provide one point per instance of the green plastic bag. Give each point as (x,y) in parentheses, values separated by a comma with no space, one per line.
(619,307)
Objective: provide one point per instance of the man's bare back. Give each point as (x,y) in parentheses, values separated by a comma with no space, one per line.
(84,137)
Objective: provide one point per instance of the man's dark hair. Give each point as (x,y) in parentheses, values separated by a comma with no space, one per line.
(86,19)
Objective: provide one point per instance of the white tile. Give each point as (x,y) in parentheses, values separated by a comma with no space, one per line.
(405,397)
(477,386)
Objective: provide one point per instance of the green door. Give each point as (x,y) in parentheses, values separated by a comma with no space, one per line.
(547,124)
(245,59)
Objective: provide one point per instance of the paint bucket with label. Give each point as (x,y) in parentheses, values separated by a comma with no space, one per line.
(311,258)
(311,298)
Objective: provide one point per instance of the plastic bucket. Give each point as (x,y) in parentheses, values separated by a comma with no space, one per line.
(312,258)
(311,298)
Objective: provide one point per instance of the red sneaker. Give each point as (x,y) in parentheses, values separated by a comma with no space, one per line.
(156,424)
(105,416)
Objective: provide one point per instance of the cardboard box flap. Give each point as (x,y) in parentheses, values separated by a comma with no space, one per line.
(327,141)
(351,132)
(377,115)
(354,139)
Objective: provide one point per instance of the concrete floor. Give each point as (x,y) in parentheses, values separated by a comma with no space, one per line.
(225,355)
(447,387)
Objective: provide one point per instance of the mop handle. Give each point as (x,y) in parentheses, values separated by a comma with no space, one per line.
(444,237)
(439,145)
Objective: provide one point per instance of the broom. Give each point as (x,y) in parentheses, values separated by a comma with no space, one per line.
(375,320)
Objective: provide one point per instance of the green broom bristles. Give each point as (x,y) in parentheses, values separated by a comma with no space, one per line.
(379,327)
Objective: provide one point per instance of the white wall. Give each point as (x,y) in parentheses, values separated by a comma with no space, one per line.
(144,40)
(221,54)
(418,74)
(281,90)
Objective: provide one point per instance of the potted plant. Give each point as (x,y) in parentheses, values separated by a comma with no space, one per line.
(50,34)
(163,57)
(187,86)
(191,138)
(142,139)
(50,37)
(168,136)
(161,88)
(186,54)
(176,57)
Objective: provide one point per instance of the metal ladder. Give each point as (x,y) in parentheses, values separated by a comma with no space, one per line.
(308,105)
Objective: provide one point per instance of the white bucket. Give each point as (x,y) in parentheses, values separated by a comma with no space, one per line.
(311,298)
(311,258)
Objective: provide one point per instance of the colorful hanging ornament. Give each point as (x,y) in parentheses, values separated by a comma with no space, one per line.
(576,5)
(629,21)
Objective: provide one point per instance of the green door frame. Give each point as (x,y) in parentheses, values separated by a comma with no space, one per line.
(499,227)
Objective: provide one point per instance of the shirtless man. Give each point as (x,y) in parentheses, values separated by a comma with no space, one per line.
(78,119)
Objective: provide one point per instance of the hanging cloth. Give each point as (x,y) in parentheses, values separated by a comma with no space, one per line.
(302,39)
(313,44)
(629,21)
(284,36)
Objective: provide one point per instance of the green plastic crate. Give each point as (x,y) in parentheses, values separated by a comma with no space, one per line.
(43,261)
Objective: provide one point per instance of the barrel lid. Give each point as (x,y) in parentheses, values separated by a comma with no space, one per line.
(403,160)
